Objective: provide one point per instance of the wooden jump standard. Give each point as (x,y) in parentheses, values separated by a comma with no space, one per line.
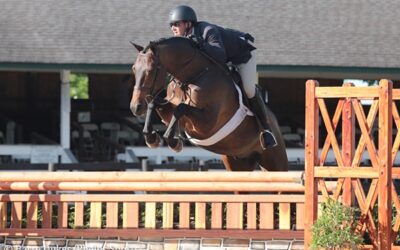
(349,170)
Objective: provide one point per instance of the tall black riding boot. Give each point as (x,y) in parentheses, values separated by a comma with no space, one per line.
(257,105)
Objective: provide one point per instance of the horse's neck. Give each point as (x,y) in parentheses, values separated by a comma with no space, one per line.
(183,63)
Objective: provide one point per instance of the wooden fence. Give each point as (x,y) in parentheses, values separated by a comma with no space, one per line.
(203,204)
(169,204)
(363,130)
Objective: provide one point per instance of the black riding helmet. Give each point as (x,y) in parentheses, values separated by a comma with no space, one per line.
(182,13)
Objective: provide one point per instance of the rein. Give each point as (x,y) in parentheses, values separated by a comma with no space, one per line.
(182,84)
(150,98)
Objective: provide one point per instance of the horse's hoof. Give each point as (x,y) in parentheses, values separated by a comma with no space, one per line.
(263,169)
(175,144)
(153,140)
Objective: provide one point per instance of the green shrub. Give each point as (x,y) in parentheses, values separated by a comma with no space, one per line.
(335,228)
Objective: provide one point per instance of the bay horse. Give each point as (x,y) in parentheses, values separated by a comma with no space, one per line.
(202,100)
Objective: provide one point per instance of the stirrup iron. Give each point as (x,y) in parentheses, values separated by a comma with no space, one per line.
(267,139)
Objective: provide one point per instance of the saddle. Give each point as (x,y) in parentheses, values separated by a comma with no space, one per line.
(233,72)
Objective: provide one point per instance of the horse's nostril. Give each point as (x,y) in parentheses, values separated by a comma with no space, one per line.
(133,108)
(137,108)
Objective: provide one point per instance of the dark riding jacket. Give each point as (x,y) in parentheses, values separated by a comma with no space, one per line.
(223,44)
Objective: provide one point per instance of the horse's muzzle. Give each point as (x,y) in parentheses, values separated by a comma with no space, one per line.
(138,109)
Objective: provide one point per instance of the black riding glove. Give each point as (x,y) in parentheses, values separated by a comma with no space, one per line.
(197,41)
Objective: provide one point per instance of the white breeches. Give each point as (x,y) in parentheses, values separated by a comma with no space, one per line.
(248,72)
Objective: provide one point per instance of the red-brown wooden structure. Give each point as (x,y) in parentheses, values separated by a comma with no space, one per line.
(348,170)
(112,206)
(217,211)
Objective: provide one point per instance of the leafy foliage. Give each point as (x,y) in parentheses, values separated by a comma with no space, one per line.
(335,228)
(79,86)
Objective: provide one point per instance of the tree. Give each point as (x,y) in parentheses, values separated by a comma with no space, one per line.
(79,86)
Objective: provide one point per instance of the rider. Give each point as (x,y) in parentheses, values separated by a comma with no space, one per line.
(226,45)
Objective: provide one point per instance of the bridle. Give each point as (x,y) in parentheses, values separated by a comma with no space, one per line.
(150,97)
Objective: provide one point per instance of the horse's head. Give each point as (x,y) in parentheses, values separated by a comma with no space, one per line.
(149,78)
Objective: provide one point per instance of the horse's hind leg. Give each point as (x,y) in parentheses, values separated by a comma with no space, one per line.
(239,164)
(274,159)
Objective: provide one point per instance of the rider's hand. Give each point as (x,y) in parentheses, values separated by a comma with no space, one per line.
(196,41)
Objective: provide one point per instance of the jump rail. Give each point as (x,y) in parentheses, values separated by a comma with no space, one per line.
(75,204)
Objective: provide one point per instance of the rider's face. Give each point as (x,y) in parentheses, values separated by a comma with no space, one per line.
(179,28)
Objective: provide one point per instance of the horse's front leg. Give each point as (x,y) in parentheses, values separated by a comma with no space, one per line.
(175,143)
(151,137)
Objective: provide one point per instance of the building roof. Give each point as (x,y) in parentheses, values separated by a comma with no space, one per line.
(360,34)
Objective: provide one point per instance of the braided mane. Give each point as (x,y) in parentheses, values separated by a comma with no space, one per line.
(157,42)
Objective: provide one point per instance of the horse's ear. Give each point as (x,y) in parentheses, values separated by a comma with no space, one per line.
(138,47)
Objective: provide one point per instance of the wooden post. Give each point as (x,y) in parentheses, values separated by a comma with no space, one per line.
(3,215)
(311,158)
(348,145)
(130,215)
(79,207)
(385,166)
(31,214)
